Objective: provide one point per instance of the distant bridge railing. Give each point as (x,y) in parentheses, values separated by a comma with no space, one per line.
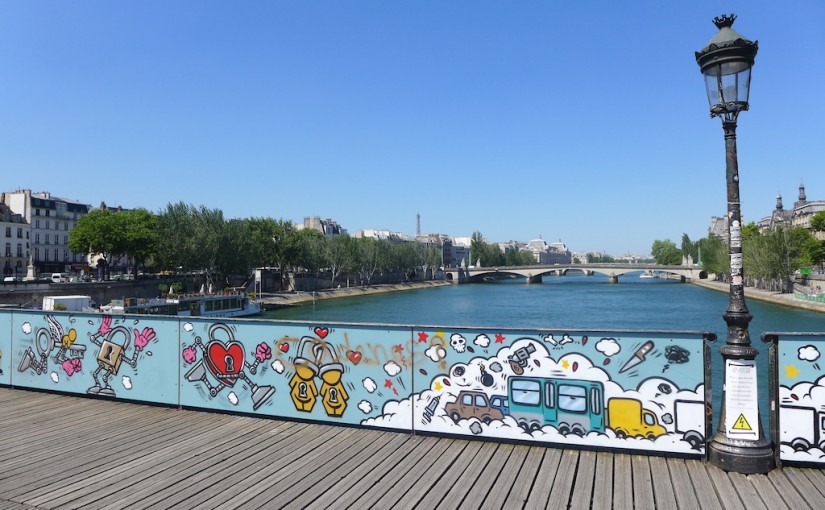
(625,390)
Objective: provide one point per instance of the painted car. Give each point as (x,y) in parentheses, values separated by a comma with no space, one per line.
(472,404)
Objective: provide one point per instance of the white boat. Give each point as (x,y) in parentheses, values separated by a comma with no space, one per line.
(212,305)
(647,274)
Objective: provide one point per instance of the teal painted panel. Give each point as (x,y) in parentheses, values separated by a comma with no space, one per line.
(638,391)
(5,346)
(321,372)
(801,374)
(130,357)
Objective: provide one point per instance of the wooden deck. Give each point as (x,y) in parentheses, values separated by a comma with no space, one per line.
(71,452)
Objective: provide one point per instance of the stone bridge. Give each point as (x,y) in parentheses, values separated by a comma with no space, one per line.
(534,274)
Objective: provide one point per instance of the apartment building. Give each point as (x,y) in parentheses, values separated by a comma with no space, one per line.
(50,219)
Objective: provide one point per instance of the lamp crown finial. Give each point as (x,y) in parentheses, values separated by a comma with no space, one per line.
(724,21)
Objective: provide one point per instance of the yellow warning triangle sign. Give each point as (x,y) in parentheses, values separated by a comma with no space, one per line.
(742,423)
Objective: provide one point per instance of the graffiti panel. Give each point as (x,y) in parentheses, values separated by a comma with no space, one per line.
(115,356)
(5,348)
(638,391)
(323,372)
(801,393)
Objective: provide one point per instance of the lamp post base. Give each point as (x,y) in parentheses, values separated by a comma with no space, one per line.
(741,456)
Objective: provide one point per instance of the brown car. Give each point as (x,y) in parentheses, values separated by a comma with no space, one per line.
(472,404)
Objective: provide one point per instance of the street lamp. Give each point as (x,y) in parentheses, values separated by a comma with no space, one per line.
(739,444)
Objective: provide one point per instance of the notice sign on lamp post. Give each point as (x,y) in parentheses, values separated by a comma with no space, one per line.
(741,407)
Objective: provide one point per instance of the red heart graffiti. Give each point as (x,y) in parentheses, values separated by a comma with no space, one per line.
(322,332)
(354,356)
(225,361)
(284,347)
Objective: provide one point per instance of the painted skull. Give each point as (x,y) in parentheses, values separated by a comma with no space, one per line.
(458,342)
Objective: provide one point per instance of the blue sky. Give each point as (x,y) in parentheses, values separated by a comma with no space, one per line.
(585,121)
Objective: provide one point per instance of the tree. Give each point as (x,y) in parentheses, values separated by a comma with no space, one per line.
(139,227)
(338,255)
(96,234)
(715,257)
(774,256)
(818,221)
(689,248)
(666,253)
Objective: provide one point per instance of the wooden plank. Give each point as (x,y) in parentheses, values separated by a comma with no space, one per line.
(255,473)
(767,492)
(703,489)
(563,484)
(419,493)
(642,483)
(545,478)
(329,486)
(683,488)
(747,492)
(98,447)
(603,482)
(404,476)
(364,476)
(170,466)
(509,477)
(399,476)
(464,484)
(449,480)
(729,497)
(528,476)
(795,496)
(359,472)
(583,483)
(808,484)
(663,490)
(622,481)
(115,473)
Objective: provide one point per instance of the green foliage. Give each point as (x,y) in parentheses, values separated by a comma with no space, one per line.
(484,253)
(689,248)
(666,253)
(715,256)
(60,307)
(818,221)
(592,258)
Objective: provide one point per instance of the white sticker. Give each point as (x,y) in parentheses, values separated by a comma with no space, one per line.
(741,400)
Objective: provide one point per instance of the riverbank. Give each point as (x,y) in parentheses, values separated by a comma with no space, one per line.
(764,295)
(273,301)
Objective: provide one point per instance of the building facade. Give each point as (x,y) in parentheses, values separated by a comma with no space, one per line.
(552,253)
(15,234)
(799,216)
(51,219)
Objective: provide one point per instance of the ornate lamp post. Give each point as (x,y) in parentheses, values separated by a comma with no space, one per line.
(739,443)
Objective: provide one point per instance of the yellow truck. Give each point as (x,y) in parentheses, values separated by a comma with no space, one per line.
(627,418)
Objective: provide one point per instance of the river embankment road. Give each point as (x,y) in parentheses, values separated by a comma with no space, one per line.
(280,299)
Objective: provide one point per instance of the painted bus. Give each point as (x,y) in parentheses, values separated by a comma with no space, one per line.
(570,405)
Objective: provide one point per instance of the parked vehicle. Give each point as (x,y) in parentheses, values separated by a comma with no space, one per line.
(472,404)
(690,421)
(71,303)
(59,278)
(570,405)
(628,418)
(802,428)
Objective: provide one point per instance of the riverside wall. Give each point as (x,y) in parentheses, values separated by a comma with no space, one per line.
(764,295)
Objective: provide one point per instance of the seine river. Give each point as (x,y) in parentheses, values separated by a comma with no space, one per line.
(569,302)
